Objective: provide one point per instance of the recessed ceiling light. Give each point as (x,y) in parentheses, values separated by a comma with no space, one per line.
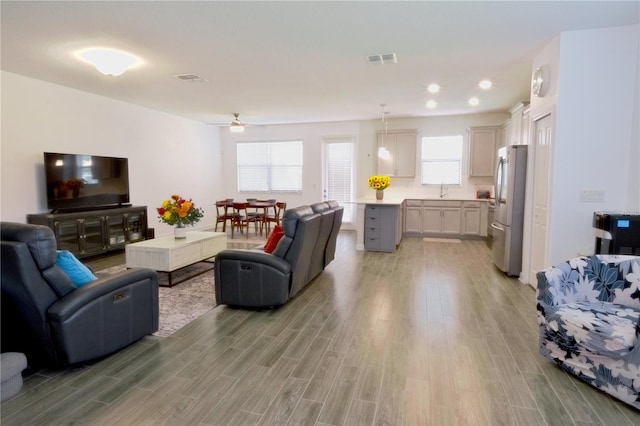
(108,61)
(431,104)
(485,84)
(474,101)
(433,88)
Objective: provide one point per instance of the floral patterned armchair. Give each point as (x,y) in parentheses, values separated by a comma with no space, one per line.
(589,318)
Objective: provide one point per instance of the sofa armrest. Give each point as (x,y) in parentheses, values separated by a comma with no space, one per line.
(251,279)
(105,316)
(78,299)
(255,256)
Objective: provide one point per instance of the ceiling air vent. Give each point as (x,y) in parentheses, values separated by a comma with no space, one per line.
(190,77)
(382,59)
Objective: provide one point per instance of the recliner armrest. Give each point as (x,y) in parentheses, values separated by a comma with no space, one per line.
(72,302)
(255,256)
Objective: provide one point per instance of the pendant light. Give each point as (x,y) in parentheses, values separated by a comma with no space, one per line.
(383,152)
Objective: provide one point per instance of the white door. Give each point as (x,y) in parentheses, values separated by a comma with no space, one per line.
(543,139)
(338,173)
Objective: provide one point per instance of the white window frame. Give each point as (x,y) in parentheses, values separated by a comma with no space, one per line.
(446,156)
(267,166)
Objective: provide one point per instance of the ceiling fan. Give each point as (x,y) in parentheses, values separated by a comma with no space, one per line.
(236,125)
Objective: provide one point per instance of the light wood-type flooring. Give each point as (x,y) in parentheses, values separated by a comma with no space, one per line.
(433,334)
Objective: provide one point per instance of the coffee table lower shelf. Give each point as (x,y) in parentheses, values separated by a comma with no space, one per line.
(171,282)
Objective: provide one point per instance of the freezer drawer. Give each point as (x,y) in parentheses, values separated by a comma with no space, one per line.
(507,251)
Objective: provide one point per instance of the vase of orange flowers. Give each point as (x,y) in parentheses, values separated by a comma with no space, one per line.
(179,212)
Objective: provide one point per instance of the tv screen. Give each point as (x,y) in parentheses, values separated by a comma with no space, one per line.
(76,182)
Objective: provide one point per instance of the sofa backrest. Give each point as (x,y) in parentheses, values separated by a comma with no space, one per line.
(604,278)
(301,227)
(330,250)
(326,225)
(31,283)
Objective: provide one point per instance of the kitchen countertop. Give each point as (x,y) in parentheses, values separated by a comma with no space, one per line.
(394,201)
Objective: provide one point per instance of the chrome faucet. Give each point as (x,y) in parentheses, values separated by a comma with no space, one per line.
(443,190)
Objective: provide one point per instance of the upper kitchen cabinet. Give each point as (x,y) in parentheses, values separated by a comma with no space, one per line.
(482,150)
(519,131)
(401,147)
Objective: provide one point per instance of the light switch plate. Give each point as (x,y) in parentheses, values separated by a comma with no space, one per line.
(591,195)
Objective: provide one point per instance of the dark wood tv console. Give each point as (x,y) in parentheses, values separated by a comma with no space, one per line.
(94,232)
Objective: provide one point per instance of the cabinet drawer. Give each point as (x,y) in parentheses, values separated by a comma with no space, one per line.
(476,204)
(371,222)
(372,243)
(413,203)
(372,211)
(437,203)
(371,232)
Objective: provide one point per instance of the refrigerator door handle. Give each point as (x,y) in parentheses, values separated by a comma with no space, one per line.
(496,227)
(499,180)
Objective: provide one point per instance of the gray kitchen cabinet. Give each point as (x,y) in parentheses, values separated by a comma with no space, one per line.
(382,226)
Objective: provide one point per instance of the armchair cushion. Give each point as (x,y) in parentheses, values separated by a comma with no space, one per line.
(606,329)
(75,270)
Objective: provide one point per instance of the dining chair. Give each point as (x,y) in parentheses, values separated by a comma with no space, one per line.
(276,216)
(242,218)
(223,214)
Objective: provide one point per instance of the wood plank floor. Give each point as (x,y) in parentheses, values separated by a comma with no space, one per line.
(430,335)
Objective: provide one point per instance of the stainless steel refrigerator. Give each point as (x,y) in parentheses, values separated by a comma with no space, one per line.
(508,219)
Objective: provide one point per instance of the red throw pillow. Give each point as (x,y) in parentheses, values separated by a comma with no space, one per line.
(273,239)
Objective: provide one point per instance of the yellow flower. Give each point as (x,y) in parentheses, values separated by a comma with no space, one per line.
(379,182)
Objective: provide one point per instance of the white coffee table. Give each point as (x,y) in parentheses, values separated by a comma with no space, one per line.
(168,254)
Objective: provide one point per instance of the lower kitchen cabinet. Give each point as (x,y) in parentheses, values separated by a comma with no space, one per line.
(445,218)
(441,217)
(382,227)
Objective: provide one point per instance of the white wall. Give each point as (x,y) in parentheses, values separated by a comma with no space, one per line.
(167,154)
(594,96)
(364,133)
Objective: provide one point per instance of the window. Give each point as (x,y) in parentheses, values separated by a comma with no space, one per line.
(269,166)
(442,160)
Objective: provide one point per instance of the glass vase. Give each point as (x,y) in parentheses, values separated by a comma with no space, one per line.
(180,231)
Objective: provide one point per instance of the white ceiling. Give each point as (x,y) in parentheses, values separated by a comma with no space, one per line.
(293,62)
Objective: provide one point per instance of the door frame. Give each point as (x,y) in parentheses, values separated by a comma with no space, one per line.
(526,276)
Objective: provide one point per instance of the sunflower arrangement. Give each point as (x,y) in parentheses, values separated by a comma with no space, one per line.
(179,211)
(379,182)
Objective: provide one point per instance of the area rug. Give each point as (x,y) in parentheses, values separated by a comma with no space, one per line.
(184,302)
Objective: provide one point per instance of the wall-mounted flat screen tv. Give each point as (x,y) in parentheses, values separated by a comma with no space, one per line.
(77,182)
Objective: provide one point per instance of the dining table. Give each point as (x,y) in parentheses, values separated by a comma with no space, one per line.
(265,205)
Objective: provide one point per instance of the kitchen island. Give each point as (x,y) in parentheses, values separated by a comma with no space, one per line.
(380,224)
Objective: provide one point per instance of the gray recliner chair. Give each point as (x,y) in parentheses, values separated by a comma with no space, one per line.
(51,321)
(255,279)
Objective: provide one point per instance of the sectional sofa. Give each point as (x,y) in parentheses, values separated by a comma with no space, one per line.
(258,280)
